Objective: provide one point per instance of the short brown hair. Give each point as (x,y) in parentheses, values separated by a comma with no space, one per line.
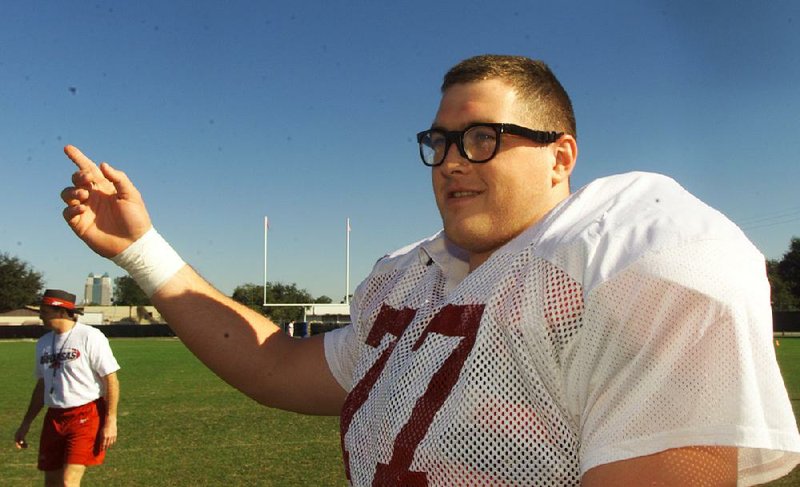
(547,101)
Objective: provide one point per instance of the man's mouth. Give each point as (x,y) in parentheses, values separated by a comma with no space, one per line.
(463,194)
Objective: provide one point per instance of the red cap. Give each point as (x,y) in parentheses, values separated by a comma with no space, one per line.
(60,299)
(57,302)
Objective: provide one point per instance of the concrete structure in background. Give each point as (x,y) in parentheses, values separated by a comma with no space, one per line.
(22,316)
(97,290)
(328,313)
(92,315)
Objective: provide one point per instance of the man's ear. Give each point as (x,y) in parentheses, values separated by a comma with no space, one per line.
(566,153)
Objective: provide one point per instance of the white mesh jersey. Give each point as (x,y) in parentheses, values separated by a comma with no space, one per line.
(632,319)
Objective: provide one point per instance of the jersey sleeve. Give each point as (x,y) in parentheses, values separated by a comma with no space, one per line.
(339,346)
(676,350)
(342,346)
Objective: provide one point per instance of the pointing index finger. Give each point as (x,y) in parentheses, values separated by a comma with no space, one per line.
(80,160)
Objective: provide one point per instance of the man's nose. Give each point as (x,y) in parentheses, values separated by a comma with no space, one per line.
(453,160)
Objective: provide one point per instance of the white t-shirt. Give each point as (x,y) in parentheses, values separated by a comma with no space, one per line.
(632,319)
(73,365)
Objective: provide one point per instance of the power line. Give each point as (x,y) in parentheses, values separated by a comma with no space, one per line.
(770,224)
(782,217)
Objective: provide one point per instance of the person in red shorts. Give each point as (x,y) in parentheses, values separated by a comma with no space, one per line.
(77,381)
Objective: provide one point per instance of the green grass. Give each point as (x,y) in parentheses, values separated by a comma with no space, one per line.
(788,352)
(180,425)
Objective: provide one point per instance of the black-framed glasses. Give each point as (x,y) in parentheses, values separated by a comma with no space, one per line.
(479,142)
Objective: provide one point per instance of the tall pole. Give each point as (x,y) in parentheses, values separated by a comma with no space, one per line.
(347,271)
(266,228)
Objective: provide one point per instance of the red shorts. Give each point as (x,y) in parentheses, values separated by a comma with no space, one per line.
(72,436)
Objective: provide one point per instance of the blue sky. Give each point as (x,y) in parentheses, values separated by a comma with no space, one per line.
(224,112)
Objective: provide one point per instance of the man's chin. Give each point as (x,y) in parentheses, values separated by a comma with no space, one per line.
(472,240)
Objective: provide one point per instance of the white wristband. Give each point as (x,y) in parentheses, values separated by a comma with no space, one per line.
(150,260)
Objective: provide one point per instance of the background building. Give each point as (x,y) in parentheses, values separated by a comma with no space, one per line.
(97,290)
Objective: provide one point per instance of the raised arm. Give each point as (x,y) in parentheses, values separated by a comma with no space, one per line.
(247,350)
(240,345)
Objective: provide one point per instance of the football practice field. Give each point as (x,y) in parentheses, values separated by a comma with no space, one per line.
(180,425)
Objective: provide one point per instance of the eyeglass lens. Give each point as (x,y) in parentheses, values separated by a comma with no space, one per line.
(479,144)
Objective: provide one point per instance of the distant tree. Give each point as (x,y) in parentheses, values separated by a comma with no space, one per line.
(789,267)
(782,297)
(128,293)
(20,285)
(323,300)
(252,295)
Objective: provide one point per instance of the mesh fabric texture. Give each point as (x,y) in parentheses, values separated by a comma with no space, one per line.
(632,320)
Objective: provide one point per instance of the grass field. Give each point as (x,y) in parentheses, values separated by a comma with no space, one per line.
(180,425)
